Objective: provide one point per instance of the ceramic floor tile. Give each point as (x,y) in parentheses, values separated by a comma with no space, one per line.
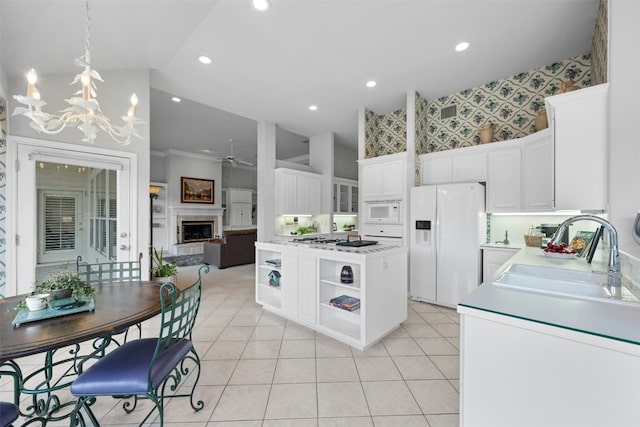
(435,396)
(389,398)
(254,371)
(341,400)
(225,350)
(298,348)
(423,307)
(297,332)
(270,319)
(413,318)
(444,420)
(242,402)
(402,347)
(421,331)
(401,420)
(216,372)
(437,346)
(257,423)
(378,349)
(346,422)
(455,341)
(306,422)
(448,329)
(206,333)
(242,319)
(295,371)
(399,332)
(438,317)
(179,409)
(236,333)
(448,365)
(336,369)
(417,368)
(377,369)
(292,401)
(263,333)
(261,350)
(332,348)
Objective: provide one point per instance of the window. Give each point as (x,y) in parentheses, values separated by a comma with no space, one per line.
(103,211)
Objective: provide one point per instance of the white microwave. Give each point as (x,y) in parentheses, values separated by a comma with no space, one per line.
(383,212)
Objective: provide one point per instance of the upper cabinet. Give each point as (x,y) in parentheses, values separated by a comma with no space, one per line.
(345,196)
(578,121)
(298,192)
(504,180)
(383,177)
(468,164)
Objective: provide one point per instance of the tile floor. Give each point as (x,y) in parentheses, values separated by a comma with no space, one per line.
(261,370)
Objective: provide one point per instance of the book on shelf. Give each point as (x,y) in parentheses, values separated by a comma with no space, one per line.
(276,262)
(345,302)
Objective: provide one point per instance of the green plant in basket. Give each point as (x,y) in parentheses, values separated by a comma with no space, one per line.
(65,279)
(162,269)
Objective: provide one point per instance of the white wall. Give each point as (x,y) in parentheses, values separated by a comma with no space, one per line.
(345,162)
(181,164)
(158,167)
(239,177)
(624,107)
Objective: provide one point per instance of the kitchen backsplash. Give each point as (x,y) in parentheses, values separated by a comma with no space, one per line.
(519,225)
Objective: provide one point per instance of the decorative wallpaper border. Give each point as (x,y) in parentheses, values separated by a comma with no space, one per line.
(599,44)
(3,199)
(510,105)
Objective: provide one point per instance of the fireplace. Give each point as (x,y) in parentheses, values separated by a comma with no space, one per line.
(197,231)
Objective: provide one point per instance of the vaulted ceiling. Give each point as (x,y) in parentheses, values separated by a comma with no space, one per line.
(273,65)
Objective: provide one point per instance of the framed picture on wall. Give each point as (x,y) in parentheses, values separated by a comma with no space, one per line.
(196,190)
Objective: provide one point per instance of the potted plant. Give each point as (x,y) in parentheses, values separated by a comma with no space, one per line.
(163,271)
(64,284)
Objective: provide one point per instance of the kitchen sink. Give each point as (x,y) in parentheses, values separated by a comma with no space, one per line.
(562,282)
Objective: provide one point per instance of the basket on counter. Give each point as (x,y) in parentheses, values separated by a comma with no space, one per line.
(533,241)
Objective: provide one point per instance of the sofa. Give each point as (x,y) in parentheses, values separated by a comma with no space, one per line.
(237,248)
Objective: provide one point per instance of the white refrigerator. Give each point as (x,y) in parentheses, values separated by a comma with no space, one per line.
(448,225)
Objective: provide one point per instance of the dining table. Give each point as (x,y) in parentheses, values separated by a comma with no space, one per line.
(68,343)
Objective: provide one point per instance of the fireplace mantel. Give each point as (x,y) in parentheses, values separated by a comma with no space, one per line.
(180,213)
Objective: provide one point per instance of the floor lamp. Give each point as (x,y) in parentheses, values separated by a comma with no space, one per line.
(153,194)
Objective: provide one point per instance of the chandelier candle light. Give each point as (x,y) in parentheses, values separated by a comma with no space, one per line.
(83,111)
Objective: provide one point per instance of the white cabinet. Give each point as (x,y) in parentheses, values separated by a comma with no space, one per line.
(467,164)
(298,192)
(504,178)
(383,178)
(578,121)
(537,174)
(239,207)
(493,259)
(345,196)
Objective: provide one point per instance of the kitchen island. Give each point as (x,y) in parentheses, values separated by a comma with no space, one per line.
(299,281)
(530,357)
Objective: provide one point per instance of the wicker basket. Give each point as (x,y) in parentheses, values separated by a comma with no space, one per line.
(533,241)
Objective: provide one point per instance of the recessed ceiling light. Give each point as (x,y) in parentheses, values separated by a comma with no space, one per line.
(371,83)
(462,46)
(261,4)
(204,59)
(313,107)
(176,99)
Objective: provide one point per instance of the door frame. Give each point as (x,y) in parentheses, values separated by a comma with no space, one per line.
(22,155)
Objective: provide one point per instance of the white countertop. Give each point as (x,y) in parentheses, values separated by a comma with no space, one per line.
(608,320)
(332,248)
(512,247)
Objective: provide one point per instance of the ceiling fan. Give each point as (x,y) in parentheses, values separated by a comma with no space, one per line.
(232,160)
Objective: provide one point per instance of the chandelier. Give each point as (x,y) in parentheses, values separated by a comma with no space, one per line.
(83,111)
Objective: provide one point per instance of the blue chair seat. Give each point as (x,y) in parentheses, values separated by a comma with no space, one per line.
(8,413)
(125,370)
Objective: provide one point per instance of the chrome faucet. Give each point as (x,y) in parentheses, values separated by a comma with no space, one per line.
(614,276)
(506,238)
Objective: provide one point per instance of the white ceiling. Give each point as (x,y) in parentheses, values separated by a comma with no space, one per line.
(272,65)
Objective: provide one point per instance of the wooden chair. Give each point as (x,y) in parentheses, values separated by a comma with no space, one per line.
(116,271)
(146,368)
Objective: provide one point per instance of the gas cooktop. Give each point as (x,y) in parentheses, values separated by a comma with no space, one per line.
(317,240)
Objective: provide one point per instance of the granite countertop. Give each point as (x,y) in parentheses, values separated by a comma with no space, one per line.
(601,318)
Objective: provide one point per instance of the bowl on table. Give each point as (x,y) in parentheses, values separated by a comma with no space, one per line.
(36,302)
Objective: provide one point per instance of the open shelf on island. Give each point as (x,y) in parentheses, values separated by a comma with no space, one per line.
(340,321)
(335,281)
